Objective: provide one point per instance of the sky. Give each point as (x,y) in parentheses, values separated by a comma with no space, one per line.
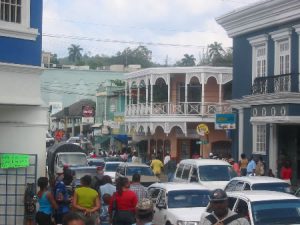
(109,23)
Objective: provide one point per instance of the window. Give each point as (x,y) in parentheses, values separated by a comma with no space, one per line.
(260,61)
(10,11)
(284,57)
(242,209)
(186,172)
(153,193)
(231,202)
(179,171)
(259,137)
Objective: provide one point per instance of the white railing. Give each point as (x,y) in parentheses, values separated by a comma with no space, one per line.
(179,108)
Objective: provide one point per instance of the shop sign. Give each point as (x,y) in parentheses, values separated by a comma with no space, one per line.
(88,113)
(202,129)
(225,122)
(10,161)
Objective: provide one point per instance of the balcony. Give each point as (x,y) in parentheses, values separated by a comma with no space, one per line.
(177,109)
(273,84)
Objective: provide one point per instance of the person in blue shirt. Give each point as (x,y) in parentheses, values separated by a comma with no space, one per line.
(251,166)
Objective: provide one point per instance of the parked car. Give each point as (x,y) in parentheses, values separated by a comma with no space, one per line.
(96,162)
(81,171)
(128,169)
(82,142)
(113,159)
(177,203)
(110,169)
(257,183)
(211,173)
(265,207)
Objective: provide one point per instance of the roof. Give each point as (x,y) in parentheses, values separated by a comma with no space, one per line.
(133,164)
(204,162)
(254,196)
(179,186)
(75,110)
(259,179)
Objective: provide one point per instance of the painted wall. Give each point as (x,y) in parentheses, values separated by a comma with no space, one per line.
(25,52)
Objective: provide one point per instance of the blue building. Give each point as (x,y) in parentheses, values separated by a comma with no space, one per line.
(23,118)
(266,83)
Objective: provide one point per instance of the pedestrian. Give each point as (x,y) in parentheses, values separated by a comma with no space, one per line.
(86,201)
(170,169)
(97,180)
(251,167)
(46,203)
(221,214)
(135,158)
(122,204)
(243,164)
(137,188)
(235,166)
(260,167)
(156,166)
(286,172)
(105,192)
(167,158)
(144,212)
(72,219)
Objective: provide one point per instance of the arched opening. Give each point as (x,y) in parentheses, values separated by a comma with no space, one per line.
(133,92)
(160,91)
(211,90)
(194,90)
(142,87)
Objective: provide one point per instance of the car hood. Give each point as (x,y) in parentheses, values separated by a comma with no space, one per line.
(214,184)
(187,214)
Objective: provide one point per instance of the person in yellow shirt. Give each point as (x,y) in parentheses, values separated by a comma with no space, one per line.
(156,166)
(86,201)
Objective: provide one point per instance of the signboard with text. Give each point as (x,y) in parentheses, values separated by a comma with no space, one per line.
(88,113)
(11,161)
(225,122)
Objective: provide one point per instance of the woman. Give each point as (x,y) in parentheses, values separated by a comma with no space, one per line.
(286,172)
(123,203)
(86,201)
(243,164)
(46,203)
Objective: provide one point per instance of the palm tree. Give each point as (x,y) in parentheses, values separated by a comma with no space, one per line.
(75,53)
(215,50)
(187,60)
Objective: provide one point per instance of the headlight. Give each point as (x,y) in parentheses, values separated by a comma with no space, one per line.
(180,222)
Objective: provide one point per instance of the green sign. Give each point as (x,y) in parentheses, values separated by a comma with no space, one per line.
(204,142)
(9,161)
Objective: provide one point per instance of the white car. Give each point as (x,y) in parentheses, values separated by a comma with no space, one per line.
(258,183)
(265,207)
(177,203)
(211,173)
(110,169)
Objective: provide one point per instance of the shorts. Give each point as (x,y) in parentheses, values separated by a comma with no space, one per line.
(43,219)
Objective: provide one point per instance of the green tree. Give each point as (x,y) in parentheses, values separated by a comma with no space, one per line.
(223,60)
(75,53)
(215,50)
(117,82)
(53,59)
(187,60)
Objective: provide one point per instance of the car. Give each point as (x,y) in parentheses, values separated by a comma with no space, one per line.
(113,159)
(128,169)
(80,171)
(49,140)
(257,183)
(211,173)
(74,140)
(297,193)
(178,203)
(96,162)
(110,169)
(265,207)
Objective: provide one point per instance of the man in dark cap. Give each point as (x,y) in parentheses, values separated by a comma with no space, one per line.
(220,213)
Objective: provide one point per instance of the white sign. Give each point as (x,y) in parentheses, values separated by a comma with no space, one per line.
(111,124)
(88,120)
(55,107)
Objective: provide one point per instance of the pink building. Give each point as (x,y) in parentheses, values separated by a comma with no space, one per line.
(165,105)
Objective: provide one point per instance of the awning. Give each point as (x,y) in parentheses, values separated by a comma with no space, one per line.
(122,138)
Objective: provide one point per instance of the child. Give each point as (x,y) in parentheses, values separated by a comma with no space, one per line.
(46,203)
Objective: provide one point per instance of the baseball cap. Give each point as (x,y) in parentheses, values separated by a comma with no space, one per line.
(218,195)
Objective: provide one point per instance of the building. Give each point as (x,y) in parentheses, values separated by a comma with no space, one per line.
(164,106)
(23,118)
(266,80)
(109,129)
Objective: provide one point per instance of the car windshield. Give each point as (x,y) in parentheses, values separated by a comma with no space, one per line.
(146,171)
(188,198)
(281,187)
(276,212)
(111,167)
(73,160)
(216,173)
(82,172)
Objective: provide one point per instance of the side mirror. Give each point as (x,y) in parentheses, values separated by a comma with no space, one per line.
(161,205)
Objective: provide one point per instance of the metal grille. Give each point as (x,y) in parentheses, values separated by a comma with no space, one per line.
(12,188)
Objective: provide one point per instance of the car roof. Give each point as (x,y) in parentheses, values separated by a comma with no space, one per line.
(255,196)
(112,162)
(133,164)
(178,186)
(259,179)
(204,162)
(83,167)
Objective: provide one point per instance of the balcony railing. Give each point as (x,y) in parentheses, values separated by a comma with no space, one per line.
(272,84)
(177,109)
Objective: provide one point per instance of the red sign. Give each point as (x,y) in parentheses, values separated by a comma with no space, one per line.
(88,111)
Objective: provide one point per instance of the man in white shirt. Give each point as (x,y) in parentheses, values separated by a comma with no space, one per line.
(167,158)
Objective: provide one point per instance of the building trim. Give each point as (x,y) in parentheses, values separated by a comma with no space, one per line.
(259,15)
(281,34)
(275,119)
(18,68)
(258,40)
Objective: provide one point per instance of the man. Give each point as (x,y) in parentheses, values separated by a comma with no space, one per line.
(97,180)
(73,218)
(156,166)
(167,158)
(251,167)
(137,188)
(170,169)
(221,214)
(144,212)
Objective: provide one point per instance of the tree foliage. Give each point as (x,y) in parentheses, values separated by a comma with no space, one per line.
(75,53)
(187,60)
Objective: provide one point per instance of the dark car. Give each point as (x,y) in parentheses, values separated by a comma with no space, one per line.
(96,162)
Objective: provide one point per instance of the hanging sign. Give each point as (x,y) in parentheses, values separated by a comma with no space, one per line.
(10,161)
(225,122)
(202,129)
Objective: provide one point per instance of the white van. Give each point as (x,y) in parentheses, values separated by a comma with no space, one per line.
(211,173)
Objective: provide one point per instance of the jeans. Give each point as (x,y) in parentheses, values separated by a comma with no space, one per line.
(170,177)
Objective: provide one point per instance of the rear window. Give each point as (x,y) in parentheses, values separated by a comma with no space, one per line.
(111,167)
(146,171)
(216,173)
(281,187)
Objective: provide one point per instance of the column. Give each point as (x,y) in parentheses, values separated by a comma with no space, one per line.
(138,94)
(220,88)
(273,149)
(169,90)
(151,102)
(202,95)
(147,93)
(73,127)
(241,132)
(186,95)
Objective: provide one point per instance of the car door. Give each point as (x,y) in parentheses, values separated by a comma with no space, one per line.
(160,209)
(241,208)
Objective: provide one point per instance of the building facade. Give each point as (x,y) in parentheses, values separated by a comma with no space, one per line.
(23,120)
(266,80)
(164,106)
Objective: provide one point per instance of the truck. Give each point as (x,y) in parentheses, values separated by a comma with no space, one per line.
(64,154)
